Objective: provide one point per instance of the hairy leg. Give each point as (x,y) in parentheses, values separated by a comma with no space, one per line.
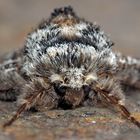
(22,108)
(111,92)
(34,96)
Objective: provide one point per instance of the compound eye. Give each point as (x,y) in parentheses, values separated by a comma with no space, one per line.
(86,89)
(60,90)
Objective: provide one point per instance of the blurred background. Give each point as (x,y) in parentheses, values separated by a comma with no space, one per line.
(120,19)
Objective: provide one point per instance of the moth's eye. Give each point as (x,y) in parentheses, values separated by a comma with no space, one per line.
(86,88)
(60,90)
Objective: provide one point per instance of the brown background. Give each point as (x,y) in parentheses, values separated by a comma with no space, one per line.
(119,18)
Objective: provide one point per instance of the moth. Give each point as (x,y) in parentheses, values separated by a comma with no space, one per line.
(67,62)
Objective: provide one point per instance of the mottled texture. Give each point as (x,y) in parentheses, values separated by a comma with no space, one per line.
(66,62)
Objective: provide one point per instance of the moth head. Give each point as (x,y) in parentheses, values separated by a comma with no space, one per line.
(72,79)
(73,85)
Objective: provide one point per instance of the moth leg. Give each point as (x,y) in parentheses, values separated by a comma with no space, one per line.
(29,101)
(117,102)
(128,71)
(47,101)
(34,96)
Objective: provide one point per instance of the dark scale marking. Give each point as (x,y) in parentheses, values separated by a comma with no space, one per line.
(63,11)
